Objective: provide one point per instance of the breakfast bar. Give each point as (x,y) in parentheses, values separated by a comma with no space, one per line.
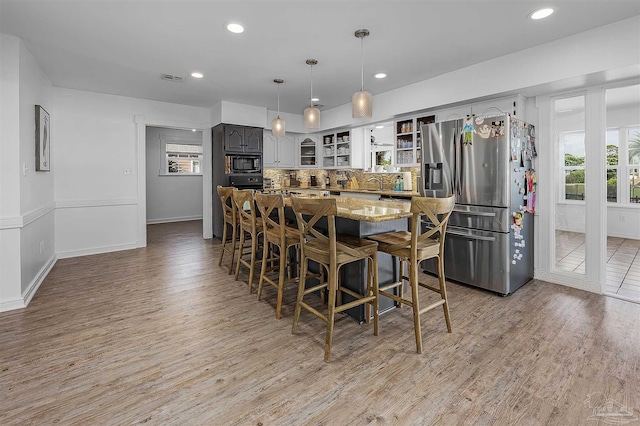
(363,218)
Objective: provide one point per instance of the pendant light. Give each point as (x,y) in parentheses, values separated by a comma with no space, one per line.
(277,125)
(361,102)
(311,114)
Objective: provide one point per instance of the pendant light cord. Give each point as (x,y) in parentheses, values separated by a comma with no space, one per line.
(278,100)
(362,64)
(311,98)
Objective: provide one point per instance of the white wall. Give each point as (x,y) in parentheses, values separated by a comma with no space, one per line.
(601,50)
(26,211)
(97,204)
(171,198)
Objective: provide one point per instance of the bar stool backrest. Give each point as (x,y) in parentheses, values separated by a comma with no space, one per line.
(246,208)
(317,209)
(228,206)
(437,210)
(267,203)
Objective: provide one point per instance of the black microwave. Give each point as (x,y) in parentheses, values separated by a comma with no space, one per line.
(242,164)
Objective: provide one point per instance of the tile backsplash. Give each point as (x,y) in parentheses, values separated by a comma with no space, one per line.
(281,176)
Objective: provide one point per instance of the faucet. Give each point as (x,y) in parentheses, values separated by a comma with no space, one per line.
(377,179)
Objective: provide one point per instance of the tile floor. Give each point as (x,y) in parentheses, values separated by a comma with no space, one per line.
(623,261)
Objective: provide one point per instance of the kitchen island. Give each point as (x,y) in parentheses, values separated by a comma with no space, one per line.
(363,218)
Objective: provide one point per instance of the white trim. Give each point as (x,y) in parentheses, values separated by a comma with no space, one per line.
(17,222)
(95,250)
(180,174)
(74,204)
(12,305)
(173,219)
(37,213)
(621,297)
(141,140)
(27,295)
(35,284)
(11,222)
(570,279)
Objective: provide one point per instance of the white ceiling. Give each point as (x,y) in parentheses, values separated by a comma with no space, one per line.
(122,47)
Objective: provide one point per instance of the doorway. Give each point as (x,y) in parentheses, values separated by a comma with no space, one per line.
(597,189)
(174,161)
(623,191)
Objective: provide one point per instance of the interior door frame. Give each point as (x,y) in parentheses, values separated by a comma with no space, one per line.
(141,138)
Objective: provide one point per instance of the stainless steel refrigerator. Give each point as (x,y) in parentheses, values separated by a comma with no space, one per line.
(486,163)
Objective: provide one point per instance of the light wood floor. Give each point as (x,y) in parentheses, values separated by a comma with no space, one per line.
(161,335)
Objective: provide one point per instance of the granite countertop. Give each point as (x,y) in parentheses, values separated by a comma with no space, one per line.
(367,210)
(388,192)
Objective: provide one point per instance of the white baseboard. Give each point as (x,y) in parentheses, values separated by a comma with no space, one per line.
(12,305)
(95,250)
(34,285)
(173,219)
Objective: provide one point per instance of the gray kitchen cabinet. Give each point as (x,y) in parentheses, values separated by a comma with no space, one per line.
(279,153)
(242,139)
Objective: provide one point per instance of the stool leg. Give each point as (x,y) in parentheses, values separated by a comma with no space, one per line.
(301,285)
(234,237)
(443,293)
(401,288)
(376,307)
(224,242)
(263,270)
(254,250)
(413,281)
(333,278)
(281,272)
(240,253)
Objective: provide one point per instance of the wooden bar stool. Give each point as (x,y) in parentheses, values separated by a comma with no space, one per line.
(414,247)
(249,226)
(276,233)
(331,252)
(230,217)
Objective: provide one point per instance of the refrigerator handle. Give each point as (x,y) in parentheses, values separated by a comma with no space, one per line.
(457,152)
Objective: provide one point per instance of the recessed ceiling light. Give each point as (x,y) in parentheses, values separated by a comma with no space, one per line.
(235,28)
(541,13)
(193,130)
(380,75)
(315,99)
(197,75)
(379,126)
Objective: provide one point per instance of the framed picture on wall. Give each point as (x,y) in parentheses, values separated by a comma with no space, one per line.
(43,140)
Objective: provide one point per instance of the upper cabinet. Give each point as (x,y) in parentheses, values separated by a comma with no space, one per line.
(279,153)
(408,140)
(242,139)
(340,151)
(308,152)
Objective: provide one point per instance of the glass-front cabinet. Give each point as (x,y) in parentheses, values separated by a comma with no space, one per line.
(336,150)
(308,153)
(408,140)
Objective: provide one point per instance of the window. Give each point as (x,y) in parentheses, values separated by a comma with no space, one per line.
(185,159)
(633,168)
(613,150)
(572,152)
(623,144)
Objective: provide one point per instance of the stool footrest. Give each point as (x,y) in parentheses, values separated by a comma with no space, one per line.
(437,290)
(314,311)
(351,293)
(390,286)
(396,298)
(316,288)
(361,301)
(433,305)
